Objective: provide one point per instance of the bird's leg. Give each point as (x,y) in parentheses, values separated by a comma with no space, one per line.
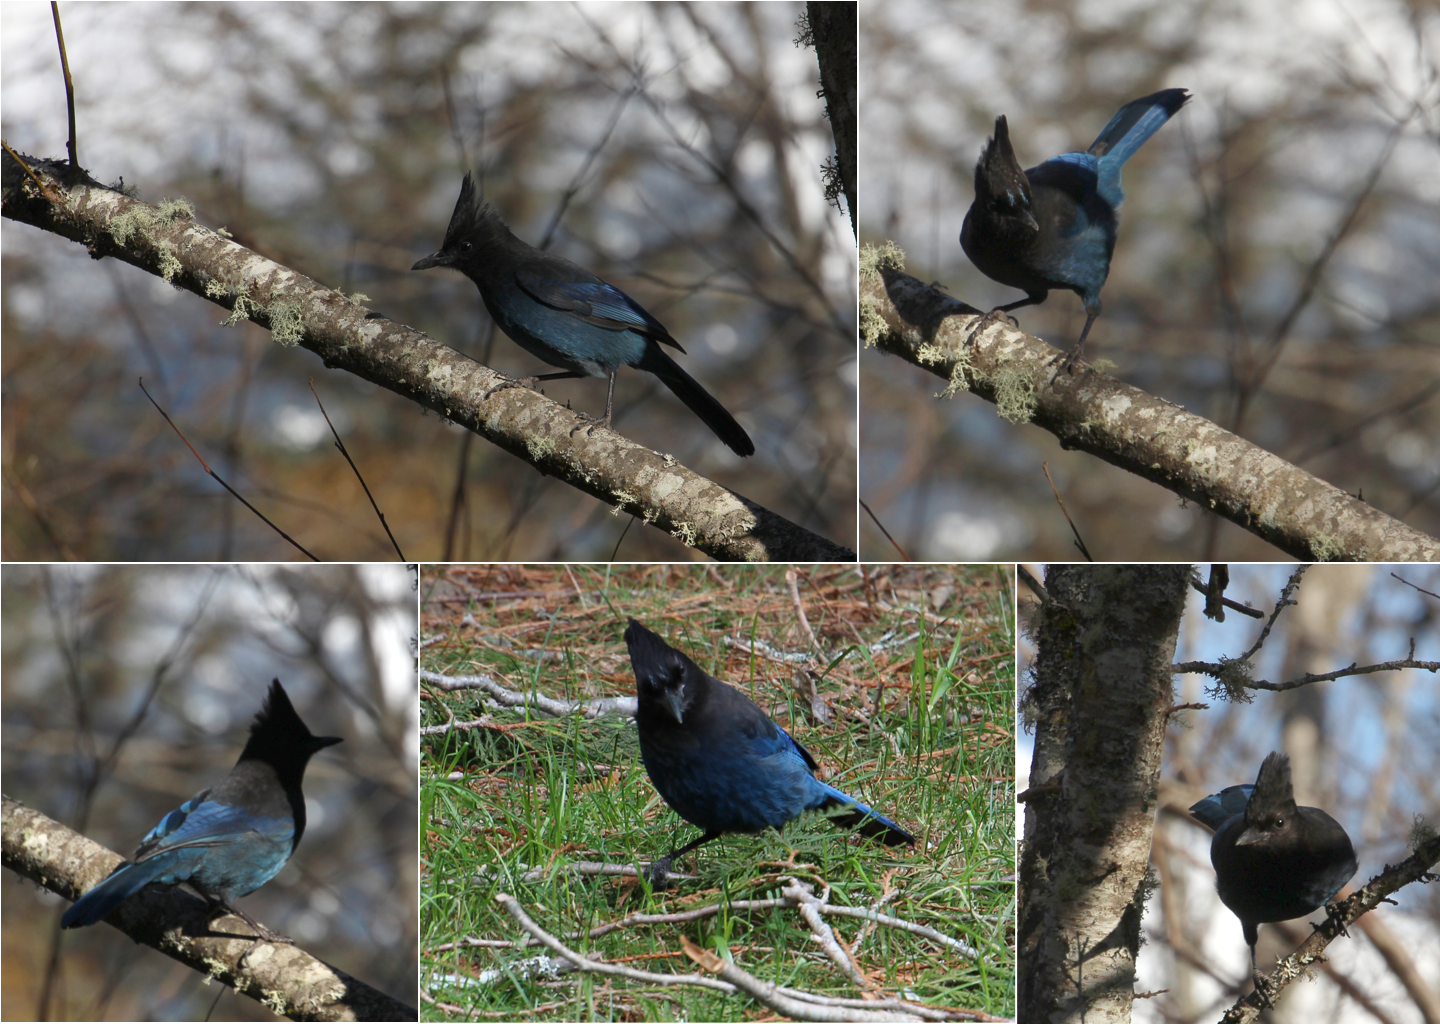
(1078,349)
(658,872)
(1263,989)
(531,383)
(588,422)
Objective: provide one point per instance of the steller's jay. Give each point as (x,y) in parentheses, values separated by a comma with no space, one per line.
(1273,860)
(565,315)
(1053,226)
(229,840)
(720,761)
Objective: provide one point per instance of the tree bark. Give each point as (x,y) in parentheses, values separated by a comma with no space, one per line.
(1099,703)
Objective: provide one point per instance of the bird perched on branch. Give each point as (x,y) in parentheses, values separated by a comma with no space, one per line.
(229,840)
(1053,226)
(1273,860)
(720,761)
(566,316)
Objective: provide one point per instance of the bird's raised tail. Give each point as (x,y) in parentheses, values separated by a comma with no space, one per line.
(1135,122)
(697,400)
(1218,808)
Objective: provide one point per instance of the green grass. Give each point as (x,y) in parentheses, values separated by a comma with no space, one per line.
(525,791)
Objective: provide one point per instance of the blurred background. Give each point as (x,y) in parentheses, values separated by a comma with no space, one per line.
(674,150)
(127,690)
(1366,749)
(1277,269)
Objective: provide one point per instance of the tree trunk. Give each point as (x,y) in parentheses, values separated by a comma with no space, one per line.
(1099,701)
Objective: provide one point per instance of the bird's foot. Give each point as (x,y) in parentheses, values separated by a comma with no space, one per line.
(262,933)
(528,383)
(1067,360)
(1335,914)
(1264,990)
(658,874)
(588,423)
(987,320)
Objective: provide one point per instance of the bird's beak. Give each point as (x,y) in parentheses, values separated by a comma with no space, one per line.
(435,259)
(1249,837)
(1030,220)
(672,698)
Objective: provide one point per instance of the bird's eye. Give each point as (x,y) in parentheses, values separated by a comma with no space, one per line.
(465,246)
(1279,823)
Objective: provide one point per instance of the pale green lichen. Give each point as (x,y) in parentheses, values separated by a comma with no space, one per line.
(245,308)
(874,259)
(174,209)
(223,233)
(287,325)
(169,262)
(359,298)
(1015,395)
(872,324)
(1327,548)
(684,533)
(622,498)
(930,355)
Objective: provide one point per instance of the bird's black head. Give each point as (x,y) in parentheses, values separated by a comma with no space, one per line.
(1000,182)
(473,224)
(666,681)
(1271,810)
(281,739)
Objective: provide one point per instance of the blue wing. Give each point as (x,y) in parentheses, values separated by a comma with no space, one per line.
(595,302)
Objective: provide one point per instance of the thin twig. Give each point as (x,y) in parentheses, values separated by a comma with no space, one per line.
(1079,541)
(876,520)
(69,84)
(222,483)
(341,445)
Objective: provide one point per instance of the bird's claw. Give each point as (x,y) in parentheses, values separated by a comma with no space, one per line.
(528,383)
(588,423)
(658,874)
(986,320)
(1335,914)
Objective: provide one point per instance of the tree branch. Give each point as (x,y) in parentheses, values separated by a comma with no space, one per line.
(166,241)
(286,979)
(1305,517)
(1347,911)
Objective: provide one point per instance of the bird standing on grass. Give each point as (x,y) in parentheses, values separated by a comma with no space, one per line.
(1053,226)
(229,840)
(561,313)
(720,761)
(1273,860)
